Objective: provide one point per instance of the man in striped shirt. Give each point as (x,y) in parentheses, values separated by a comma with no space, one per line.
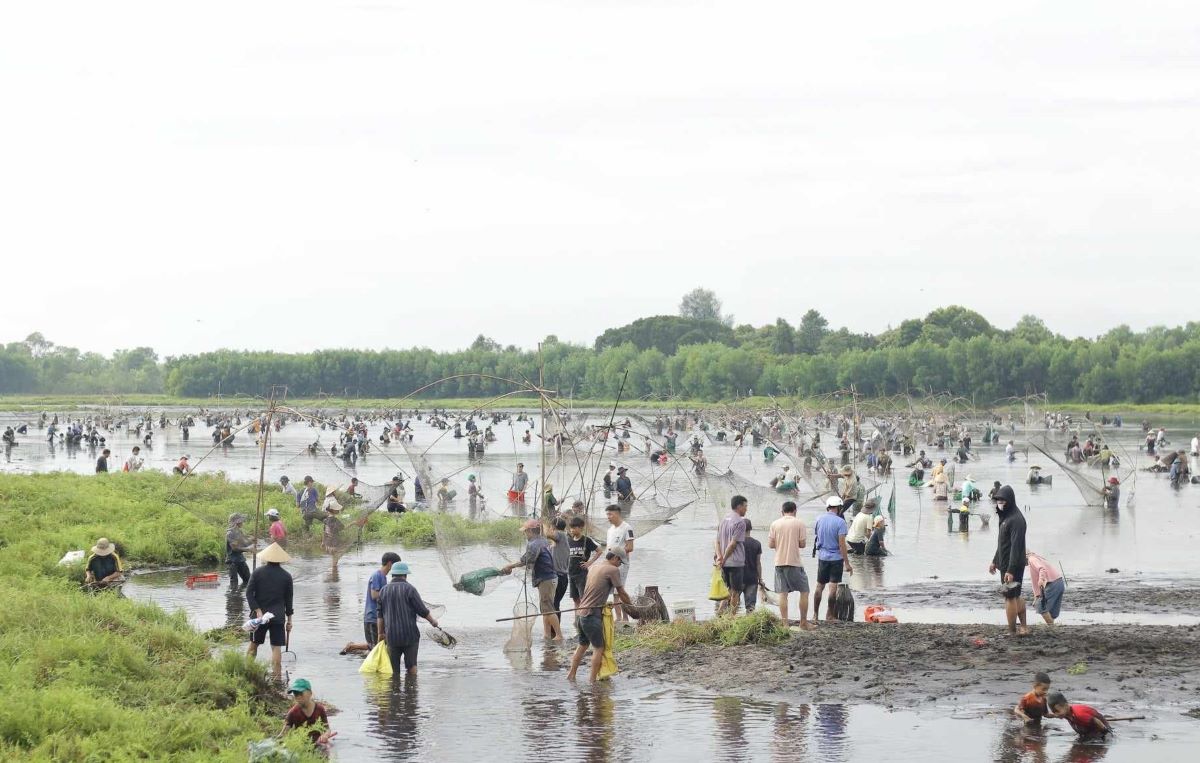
(399,607)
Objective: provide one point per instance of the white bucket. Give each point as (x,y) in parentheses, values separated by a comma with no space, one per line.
(684,609)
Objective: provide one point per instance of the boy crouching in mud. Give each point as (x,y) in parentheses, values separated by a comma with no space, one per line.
(1033,708)
(1087,721)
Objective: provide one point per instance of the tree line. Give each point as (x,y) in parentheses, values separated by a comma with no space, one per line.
(701,357)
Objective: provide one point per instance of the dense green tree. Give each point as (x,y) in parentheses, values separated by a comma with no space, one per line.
(813,328)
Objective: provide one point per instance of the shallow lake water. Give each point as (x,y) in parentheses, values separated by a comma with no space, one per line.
(476,701)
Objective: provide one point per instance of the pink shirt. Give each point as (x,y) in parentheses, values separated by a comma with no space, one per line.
(278,532)
(786,535)
(1041,572)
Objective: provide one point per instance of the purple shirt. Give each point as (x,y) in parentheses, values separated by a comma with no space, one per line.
(733,528)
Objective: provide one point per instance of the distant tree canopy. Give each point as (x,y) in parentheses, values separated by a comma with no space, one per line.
(952,349)
(666,333)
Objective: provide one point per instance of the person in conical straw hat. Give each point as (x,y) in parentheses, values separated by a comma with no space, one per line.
(270,591)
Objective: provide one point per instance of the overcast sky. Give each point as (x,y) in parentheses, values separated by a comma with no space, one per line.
(389,173)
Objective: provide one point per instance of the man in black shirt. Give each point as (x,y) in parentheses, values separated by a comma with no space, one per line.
(1010,557)
(270,590)
(102,462)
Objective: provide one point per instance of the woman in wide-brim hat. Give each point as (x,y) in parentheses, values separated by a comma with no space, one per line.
(103,566)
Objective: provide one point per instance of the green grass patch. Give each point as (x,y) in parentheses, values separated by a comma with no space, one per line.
(758,627)
(516,402)
(97,677)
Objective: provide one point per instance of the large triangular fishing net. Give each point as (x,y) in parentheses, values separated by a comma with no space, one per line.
(1090,480)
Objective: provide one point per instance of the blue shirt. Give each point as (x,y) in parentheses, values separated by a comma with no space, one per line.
(828,529)
(538,554)
(371,607)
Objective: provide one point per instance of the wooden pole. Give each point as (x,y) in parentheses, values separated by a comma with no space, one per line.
(262,467)
(541,490)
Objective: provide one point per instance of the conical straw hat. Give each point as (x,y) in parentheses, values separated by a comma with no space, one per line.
(274,553)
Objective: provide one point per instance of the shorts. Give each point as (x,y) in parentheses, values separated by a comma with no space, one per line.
(590,629)
(750,595)
(406,653)
(1015,591)
(857,548)
(275,628)
(624,574)
(576,584)
(830,571)
(371,632)
(734,577)
(1051,598)
(789,579)
(545,591)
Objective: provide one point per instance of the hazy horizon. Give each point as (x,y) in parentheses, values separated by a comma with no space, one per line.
(386,173)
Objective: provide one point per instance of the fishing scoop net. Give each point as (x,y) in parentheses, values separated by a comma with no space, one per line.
(521,639)
(471,553)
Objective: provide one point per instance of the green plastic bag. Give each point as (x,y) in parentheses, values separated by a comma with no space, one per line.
(717,590)
(377,661)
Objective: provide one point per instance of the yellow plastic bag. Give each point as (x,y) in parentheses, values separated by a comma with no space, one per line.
(717,590)
(377,661)
(608,666)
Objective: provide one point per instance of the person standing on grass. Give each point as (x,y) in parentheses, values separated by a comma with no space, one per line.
(833,558)
(399,607)
(287,488)
(787,536)
(604,577)
(1009,559)
(730,553)
(306,501)
(270,590)
(277,531)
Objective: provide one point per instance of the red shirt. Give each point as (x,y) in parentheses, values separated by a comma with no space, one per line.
(296,719)
(1033,706)
(1082,719)
(278,532)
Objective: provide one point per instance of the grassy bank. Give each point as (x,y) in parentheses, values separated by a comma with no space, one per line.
(97,677)
(37,403)
(758,627)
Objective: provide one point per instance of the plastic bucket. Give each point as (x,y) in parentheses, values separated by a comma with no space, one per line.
(684,610)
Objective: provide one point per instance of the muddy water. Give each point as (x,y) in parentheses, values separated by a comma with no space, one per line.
(476,701)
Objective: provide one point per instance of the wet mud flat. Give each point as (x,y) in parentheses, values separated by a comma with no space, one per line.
(1114,667)
(1120,593)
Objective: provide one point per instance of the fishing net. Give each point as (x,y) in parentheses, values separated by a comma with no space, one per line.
(471,553)
(521,639)
(424,473)
(1089,480)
